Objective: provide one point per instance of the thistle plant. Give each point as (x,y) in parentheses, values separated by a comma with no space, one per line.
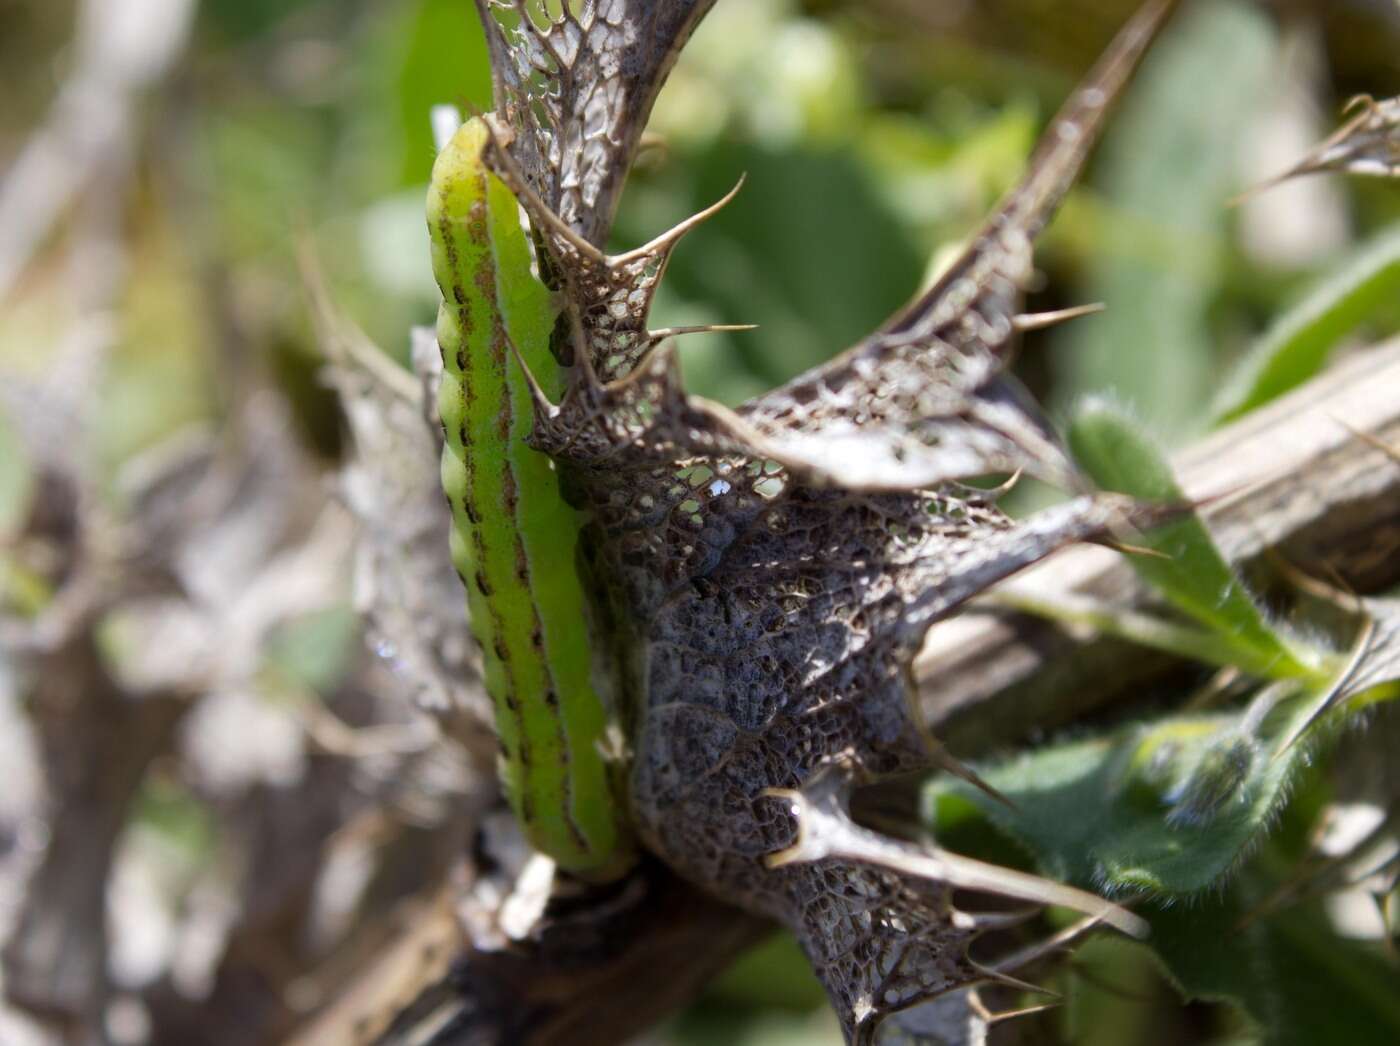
(761,578)
(757,581)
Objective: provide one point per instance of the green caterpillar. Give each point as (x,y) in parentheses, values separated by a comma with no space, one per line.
(514,537)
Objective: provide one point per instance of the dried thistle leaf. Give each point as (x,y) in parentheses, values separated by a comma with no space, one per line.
(924,399)
(921,401)
(1367,144)
(578,88)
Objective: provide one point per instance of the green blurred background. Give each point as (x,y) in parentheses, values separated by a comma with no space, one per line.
(875,136)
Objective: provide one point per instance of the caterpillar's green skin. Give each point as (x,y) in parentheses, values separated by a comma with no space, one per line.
(514,537)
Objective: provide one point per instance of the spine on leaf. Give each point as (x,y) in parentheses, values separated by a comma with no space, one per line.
(514,537)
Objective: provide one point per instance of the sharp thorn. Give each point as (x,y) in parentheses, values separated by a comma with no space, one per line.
(1007,981)
(537,393)
(987,922)
(1035,952)
(661,333)
(1329,153)
(799,851)
(1133,550)
(945,760)
(1081,119)
(977,1006)
(992,494)
(1034,321)
(668,238)
(1365,437)
(1243,197)
(1361,101)
(1025,1011)
(1058,158)
(535,207)
(968,873)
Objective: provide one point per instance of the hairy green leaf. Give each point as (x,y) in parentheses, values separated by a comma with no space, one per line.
(1296,979)
(1188,569)
(1168,808)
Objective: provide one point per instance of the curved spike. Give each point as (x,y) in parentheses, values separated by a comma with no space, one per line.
(825,829)
(989,922)
(1056,162)
(991,495)
(510,172)
(1034,321)
(971,874)
(1024,1011)
(945,760)
(1035,952)
(992,975)
(668,239)
(662,333)
(542,403)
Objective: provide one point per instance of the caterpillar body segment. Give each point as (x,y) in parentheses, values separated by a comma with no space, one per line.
(514,537)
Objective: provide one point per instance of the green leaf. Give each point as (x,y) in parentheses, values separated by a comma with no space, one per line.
(1299,344)
(1167,808)
(1297,980)
(1189,570)
(1172,809)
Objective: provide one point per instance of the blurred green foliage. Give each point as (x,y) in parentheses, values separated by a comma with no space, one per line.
(1165,173)
(1183,565)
